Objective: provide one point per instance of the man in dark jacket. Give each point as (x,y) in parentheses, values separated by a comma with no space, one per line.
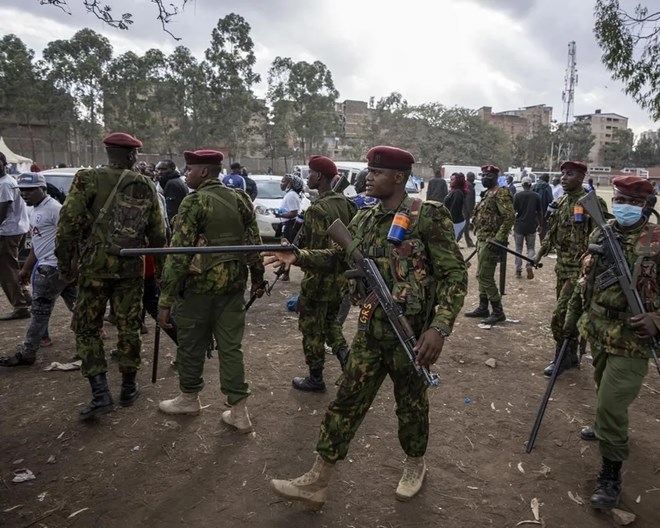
(437,190)
(468,209)
(543,189)
(174,189)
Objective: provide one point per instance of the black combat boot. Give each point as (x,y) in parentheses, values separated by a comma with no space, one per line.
(129,389)
(608,486)
(497,316)
(481,310)
(312,383)
(588,434)
(571,360)
(101,398)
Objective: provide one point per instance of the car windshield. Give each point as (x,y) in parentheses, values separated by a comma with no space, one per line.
(410,186)
(269,190)
(61,181)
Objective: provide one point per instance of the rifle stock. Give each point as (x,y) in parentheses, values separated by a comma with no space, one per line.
(369,272)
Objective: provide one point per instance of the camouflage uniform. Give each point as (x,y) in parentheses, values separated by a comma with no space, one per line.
(494,217)
(431,283)
(208,289)
(82,251)
(620,358)
(570,240)
(321,293)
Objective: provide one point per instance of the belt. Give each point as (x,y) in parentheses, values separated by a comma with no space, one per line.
(609,313)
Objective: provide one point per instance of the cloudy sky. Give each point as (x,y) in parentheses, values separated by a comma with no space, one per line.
(500,53)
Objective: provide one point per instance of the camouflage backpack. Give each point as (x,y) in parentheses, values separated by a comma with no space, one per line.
(122,221)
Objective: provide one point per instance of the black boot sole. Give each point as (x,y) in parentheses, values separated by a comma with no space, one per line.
(477,314)
(127,402)
(98,411)
(307,388)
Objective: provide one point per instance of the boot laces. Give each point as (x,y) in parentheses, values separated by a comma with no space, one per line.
(411,473)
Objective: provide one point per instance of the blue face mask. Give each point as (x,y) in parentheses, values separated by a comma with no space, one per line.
(626,214)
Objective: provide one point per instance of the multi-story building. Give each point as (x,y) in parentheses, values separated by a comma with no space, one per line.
(603,126)
(355,119)
(653,135)
(522,122)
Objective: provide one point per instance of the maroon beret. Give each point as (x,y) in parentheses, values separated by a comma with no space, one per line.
(633,186)
(121,140)
(574,165)
(383,157)
(490,169)
(323,165)
(203,157)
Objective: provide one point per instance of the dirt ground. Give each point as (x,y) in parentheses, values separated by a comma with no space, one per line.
(138,467)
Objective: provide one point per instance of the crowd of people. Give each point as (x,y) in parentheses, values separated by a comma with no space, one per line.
(199,299)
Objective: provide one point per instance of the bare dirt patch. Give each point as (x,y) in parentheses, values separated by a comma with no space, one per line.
(137,467)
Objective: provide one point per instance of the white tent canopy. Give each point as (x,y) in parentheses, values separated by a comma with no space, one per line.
(22,163)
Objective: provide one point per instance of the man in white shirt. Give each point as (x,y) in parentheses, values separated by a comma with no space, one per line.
(557,189)
(293,186)
(41,265)
(13,226)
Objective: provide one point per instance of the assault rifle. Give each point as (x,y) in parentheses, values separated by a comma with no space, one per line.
(368,270)
(617,270)
(548,391)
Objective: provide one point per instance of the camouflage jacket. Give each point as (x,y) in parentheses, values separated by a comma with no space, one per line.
(326,209)
(203,220)
(604,314)
(432,280)
(568,237)
(75,233)
(494,216)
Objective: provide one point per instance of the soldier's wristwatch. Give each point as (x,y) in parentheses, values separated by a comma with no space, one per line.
(442,332)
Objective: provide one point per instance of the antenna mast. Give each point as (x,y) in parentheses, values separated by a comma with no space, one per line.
(568,98)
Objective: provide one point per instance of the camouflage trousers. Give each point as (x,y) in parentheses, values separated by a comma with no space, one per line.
(200,317)
(564,289)
(486,265)
(619,380)
(369,362)
(125,296)
(319,325)
(46,288)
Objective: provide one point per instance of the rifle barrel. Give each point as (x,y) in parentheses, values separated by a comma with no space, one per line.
(192,250)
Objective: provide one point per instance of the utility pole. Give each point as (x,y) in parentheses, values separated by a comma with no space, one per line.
(568,98)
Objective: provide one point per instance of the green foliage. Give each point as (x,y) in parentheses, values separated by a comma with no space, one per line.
(647,153)
(619,153)
(302,97)
(631,50)
(577,141)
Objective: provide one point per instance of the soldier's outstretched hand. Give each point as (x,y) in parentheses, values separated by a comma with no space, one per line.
(277,258)
(428,348)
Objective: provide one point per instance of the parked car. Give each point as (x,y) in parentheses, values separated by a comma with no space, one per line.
(269,198)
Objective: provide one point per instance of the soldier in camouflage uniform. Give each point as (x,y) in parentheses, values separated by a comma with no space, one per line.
(568,234)
(427,275)
(107,209)
(620,343)
(493,218)
(208,289)
(321,292)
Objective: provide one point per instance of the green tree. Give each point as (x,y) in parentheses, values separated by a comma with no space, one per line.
(619,152)
(19,93)
(647,152)
(78,66)
(631,50)
(311,92)
(574,142)
(231,61)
